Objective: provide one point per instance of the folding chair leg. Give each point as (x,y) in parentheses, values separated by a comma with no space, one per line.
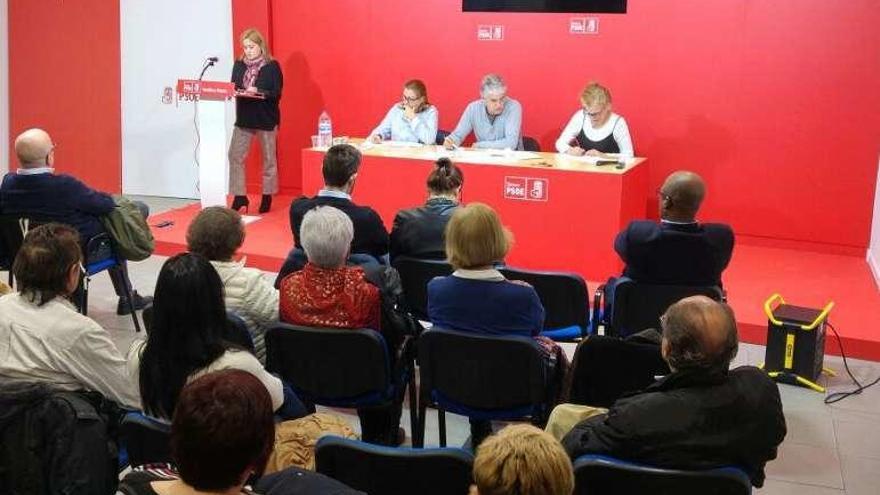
(419,435)
(413,407)
(134,317)
(441,424)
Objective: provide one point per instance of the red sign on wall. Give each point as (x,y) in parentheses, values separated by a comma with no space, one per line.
(206,90)
(526,188)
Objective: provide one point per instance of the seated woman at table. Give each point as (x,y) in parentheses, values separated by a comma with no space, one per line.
(418,232)
(595,130)
(327,293)
(412,120)
(476,297)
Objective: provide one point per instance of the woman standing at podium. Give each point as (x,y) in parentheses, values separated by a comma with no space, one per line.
(595,130)
(258,82)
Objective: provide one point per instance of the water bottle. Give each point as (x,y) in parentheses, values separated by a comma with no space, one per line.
(325,130)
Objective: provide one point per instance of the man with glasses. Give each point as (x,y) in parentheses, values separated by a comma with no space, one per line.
(495,119)
(678,250)
(36,191)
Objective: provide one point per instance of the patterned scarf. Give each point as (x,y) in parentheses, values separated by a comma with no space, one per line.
(253,68)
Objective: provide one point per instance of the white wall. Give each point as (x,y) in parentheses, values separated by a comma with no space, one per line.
(4,87)
(874,246)
(163,40)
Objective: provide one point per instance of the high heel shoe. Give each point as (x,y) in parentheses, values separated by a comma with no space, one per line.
(266,203)
(240,201)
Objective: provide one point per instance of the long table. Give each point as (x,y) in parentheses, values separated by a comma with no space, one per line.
(563,212)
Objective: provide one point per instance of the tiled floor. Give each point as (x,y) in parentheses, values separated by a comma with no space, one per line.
(828,450)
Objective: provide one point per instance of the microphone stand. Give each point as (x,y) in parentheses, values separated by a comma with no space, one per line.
(205,68)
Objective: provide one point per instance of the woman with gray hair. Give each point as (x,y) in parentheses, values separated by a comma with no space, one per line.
(327,293)
(495,119)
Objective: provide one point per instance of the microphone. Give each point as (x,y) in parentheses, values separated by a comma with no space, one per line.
(213,59)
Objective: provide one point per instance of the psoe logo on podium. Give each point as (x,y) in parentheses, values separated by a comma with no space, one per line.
(526,188)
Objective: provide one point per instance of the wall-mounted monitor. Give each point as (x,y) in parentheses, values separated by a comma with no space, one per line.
(573,6)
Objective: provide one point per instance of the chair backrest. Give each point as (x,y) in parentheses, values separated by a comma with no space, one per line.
(604,368)
(441,136)
(387,470)
(238,332)
(483,377)
(530,144)
(334,367)
(597,475)
(563,295)
(639,306)
(415,274)
(145,439)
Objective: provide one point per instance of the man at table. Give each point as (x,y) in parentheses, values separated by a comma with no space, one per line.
(495,119)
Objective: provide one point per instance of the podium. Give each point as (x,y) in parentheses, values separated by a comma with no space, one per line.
(210,99)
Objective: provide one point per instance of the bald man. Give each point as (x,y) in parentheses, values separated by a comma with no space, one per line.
(35,190)
(678,250)
(700,416)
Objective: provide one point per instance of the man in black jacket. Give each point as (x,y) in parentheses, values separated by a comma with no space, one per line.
(340,170)
(701,415)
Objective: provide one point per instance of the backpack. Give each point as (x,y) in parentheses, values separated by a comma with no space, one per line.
(126,225)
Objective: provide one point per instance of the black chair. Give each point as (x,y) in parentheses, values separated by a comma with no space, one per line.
(565,300)
(145,439)
(604,368)
(415,274)
(482,377)
(441,136)
(99,254)
(340,367)
(239,333)
(598,475)
(530,144)
(638,306)
(390,471)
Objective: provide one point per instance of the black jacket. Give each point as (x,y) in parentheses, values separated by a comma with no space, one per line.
(418,232)
(691,420)
(370,236)
(56,442)
(56,197)
(259,114)
(675,254)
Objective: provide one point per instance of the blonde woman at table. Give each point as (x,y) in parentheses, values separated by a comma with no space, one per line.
(413,120)
(595,130)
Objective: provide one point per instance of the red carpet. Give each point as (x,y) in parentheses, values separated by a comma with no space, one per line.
(803,278)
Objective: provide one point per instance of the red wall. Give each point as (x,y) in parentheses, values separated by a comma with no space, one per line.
(64,76)
(774,102)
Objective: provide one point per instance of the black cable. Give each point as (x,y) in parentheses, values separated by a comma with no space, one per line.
(839,396)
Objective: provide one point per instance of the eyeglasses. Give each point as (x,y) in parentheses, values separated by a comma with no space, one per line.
(411,100)
(663,195)
(595,114)
(82,269)
(51,150)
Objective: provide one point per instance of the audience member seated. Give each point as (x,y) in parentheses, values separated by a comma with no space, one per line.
(522,460)
(186,340)
(413,120)
(476,297)
(679,250)
(217,233)
(42,336)
(327,293)
(700,416)
(222,433)
(340,170)
(36,190)
(418,232)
